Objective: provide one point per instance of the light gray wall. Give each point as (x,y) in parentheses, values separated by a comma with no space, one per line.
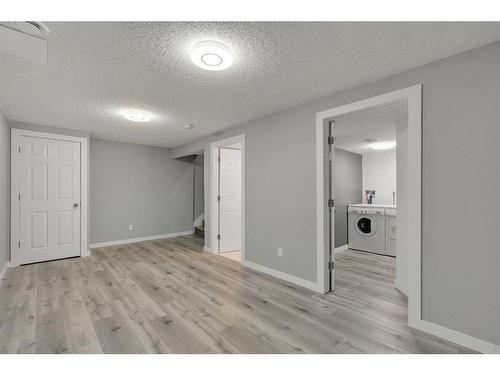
(348,183)
(4,191)
(199,188)
(461,180)
(138,177)
(139,185)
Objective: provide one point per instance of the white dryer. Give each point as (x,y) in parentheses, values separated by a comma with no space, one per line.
(366,230)
(390,231)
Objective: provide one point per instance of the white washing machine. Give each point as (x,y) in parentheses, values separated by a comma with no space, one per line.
(366,228)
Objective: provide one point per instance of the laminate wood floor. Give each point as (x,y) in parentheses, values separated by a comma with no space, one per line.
(168,296)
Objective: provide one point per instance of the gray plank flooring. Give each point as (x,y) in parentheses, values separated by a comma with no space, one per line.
(168,296)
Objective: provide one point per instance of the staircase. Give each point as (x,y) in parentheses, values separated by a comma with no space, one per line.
(199,232)
(199,226)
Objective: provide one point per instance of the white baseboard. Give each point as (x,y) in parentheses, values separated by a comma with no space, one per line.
(283,276)
(341,248)
(4,270)
(138,239)
(399,287)
(209,250)
(456,337)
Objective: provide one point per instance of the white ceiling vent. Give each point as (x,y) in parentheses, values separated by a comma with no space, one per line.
(25,40)
(33,28)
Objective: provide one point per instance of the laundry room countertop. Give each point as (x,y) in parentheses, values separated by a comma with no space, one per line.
(365,205)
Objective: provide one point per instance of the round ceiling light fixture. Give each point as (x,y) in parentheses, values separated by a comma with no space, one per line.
(137,116)
(210,55)
(189,126)
(383,145)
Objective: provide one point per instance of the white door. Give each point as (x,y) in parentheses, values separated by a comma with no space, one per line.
(230,200)
(331,203)
(49,200)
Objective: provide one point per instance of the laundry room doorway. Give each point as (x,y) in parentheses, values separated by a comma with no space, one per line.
(365,190)
(369,195)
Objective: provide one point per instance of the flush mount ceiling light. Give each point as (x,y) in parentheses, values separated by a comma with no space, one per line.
(383,145)
(137,116)
(188,126)
(210,55)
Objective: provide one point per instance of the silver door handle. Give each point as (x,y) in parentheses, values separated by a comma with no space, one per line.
(75,205)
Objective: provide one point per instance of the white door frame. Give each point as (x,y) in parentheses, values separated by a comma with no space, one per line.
(413,96)
(213,174)
(16,135)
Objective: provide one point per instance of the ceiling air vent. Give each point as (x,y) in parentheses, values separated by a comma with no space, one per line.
(26,40)
(33,28)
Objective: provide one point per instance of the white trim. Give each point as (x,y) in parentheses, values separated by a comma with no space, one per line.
(212,194)
(84,197)
(14,190)
(414,96)
(341,248)
(139,239)
(208,249)
(397,285)
(4,269)
(282,275)
(457,337)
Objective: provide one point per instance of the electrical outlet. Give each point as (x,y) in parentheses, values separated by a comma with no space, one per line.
(280,251)
(130,227)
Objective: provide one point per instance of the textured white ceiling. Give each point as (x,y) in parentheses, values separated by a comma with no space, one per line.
(95,70)
(351,131)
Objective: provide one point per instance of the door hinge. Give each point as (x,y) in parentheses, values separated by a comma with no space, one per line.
(331,140)
(218,236)
(331,265)
(19,196)
(218,159)
(218,198)
(19,149)
(331,203)
(19,244)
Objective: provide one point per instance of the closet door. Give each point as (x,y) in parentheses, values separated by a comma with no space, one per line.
(230,200)
(49,200)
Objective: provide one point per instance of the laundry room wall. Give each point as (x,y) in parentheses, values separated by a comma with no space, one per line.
(348,179)
(379,174)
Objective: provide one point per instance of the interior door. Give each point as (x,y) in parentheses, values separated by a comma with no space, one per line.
(229,200)
(49,200)
(331,203)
